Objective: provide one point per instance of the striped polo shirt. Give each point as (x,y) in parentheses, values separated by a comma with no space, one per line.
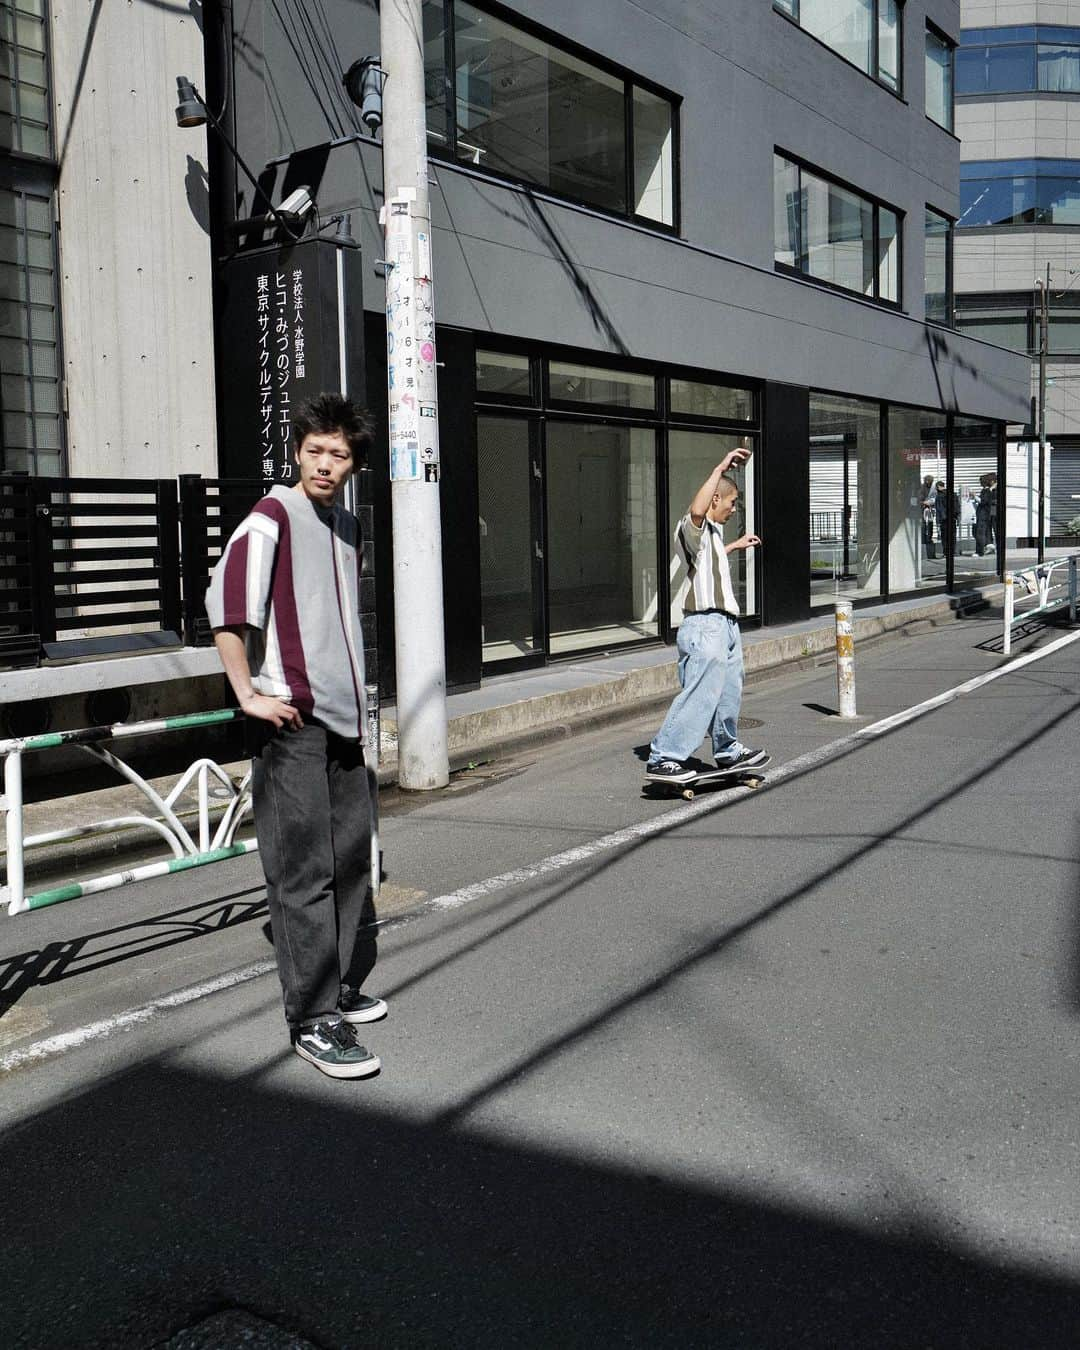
(289,577)
(702,549)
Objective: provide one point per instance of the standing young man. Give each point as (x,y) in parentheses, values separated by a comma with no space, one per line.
(284,606)
(709,643)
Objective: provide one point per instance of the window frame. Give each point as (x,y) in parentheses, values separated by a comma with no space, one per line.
(877,203)
(949,321)
(448,152)
(1033,36)
(792,16)
(932,30)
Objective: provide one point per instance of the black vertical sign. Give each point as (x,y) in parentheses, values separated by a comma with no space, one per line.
(282,310)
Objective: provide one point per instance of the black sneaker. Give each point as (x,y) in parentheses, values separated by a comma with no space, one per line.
(357,1007)
(746,759)
(668,771)
(331,1046)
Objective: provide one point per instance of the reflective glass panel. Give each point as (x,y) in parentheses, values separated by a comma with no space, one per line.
(502,373)
(528,110)
(917,530)
(786,212)
(434,21)
(888,254)
(601,554)
(847,26)
(1059,68)
(1003,327)
(889,43)
(975,483)
(592,384)
(654,174)
(720,401)
(509,603)
(837,235)
(995,70)
(845,498)
(939,91)
(937,244)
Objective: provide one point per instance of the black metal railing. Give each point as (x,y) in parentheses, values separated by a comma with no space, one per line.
(96,566)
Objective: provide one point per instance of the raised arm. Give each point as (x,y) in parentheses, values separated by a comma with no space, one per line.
(707,491)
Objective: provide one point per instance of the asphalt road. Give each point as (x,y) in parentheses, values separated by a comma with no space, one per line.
(797,1069)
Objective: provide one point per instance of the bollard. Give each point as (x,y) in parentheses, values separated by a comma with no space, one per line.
(845,659)
(1010,604)
(1072,589)
(14,893)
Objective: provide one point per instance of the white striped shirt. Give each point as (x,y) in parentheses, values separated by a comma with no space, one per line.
(702,549)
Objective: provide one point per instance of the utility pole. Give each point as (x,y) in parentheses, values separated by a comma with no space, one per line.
(419,646)
(1044,343)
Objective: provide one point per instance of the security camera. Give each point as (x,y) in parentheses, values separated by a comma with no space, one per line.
(298,205)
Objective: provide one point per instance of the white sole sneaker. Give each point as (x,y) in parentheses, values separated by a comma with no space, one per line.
(375,1013)
(363,1069)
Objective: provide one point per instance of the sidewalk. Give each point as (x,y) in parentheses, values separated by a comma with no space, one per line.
(510,711)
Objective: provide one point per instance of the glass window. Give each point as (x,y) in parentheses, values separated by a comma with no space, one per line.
(864,32)
(594,384)
(692,456)
(654,169)
(975,464)
(1003,327)
(722,402)
(511,609)
(845,497)
(938,267)
(500,373)
(939,79)
(1064,337)
(601,554)
(995,70)
(1059,68)
(1020,192)
(917,464)
(833,234)
(524,108)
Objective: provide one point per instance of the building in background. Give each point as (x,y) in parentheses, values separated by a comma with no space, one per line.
(654,237)
(1018,116)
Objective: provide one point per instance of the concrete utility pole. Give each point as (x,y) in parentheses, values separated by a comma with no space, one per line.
(1044,344)
(419,646)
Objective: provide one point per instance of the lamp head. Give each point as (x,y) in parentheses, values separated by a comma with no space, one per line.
(363,83)
(189,106)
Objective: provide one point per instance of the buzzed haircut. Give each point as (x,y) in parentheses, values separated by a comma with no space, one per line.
(326,414)
(727,487)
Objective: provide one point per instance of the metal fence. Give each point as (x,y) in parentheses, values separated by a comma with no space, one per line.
(93,566)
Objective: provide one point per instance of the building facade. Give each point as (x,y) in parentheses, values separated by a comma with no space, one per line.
(1018,114)
(658,231)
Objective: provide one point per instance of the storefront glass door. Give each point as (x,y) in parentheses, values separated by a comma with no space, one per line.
(511,534)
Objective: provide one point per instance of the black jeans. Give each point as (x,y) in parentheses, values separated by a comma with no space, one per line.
(312,809)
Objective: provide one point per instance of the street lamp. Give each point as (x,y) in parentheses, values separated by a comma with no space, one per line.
(192,111)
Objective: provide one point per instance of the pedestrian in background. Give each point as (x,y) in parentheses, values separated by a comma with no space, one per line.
(709,643)
(284,607)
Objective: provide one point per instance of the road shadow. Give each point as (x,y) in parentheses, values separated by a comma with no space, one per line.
(353,1226)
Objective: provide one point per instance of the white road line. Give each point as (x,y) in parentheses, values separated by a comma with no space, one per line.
(96,1031)
(70,1040)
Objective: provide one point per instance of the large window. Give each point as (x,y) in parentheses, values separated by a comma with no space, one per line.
(1018,59)
(30,429)
(865,32)
(938,269)
(575,551)
(845,498)
(919,515)
(525,106)
(1020,192)
(939,78)
(834,234)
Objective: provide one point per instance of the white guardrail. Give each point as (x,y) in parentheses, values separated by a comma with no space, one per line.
(1052,585)
(186,852)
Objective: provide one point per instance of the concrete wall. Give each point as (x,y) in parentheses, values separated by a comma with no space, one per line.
(135,256)
(512,263)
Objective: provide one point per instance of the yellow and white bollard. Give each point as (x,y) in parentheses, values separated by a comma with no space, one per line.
(845,659)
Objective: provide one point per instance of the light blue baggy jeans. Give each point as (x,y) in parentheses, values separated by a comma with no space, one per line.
(711,676)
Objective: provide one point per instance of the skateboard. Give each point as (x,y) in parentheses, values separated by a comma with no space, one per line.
(705,779)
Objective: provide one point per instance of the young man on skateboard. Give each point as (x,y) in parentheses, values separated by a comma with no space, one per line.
(284,606)
(709,644)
